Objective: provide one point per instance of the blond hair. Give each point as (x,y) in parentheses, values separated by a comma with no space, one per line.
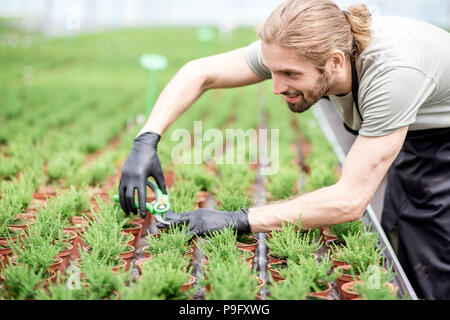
(316,27)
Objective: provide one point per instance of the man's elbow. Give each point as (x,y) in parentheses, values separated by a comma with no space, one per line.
(352,208)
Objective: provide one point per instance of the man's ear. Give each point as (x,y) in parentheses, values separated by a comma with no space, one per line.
(336,62)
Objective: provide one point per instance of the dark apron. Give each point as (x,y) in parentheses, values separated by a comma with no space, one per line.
(417,205)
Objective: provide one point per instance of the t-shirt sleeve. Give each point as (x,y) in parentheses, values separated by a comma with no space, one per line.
(254,60)
(392,99)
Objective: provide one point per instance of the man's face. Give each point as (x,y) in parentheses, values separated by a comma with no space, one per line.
(295,77)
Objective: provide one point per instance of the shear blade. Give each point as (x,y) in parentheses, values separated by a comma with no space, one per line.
(160,219)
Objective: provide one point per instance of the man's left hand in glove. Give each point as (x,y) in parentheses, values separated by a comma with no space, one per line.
(202,221)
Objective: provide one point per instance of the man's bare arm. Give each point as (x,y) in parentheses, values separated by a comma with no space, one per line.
(364,168)
(224,70)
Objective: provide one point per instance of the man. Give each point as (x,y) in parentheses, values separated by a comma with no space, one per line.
(388,78)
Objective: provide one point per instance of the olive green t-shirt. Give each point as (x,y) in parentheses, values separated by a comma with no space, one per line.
(404,78)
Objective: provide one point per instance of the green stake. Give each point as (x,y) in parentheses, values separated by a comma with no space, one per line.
(152,62)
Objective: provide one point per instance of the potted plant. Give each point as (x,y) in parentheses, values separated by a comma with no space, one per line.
(294,287)
(338,231)
(38,253)
(164,277)
(292,244)
(319,273)
(99,280)
(176,239)
(231,279)
(247,241)
(360,251)
(373,283)
(21,281)
(73,205)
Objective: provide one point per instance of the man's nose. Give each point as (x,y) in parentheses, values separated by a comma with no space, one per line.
(279,86)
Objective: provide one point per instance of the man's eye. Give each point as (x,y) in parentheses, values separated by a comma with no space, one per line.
(289,74)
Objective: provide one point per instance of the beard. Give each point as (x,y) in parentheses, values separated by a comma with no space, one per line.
(321,87)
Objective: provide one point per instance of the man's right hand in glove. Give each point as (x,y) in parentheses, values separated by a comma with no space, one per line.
(142,162)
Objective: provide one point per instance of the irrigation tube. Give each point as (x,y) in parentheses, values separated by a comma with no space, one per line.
(389,252)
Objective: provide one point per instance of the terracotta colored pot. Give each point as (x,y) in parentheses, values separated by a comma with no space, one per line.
(251,246)
(43,193)
(201,198)
(78,242)
(19,235)
(273,259)
(188,285)
(47,282)
(80,220)
(275,274)
(323,294)
(57,264)
(135,229)
(127,256)
(5,251)
(327,235)
(344,278)
(121,266)
(23,223)
(139,263)
(248,260)
(337,262)
(348,291)
(260,283)
(65,256)
(130,243)
(72,238)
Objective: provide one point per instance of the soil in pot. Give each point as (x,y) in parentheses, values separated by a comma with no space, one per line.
(326,288)
(336,261)
(247,255)
(273,259)
(345,277)
(275,269)
(247,243)
(134,229)
(22,222)
(17,235)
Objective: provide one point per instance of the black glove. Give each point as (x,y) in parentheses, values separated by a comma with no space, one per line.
(141,163)
(201,221)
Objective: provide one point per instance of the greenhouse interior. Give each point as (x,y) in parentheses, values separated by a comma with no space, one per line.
(242,198)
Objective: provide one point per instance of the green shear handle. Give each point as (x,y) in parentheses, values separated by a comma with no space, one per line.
(159,206)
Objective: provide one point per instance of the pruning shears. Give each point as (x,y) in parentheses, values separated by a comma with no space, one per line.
(159,207)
